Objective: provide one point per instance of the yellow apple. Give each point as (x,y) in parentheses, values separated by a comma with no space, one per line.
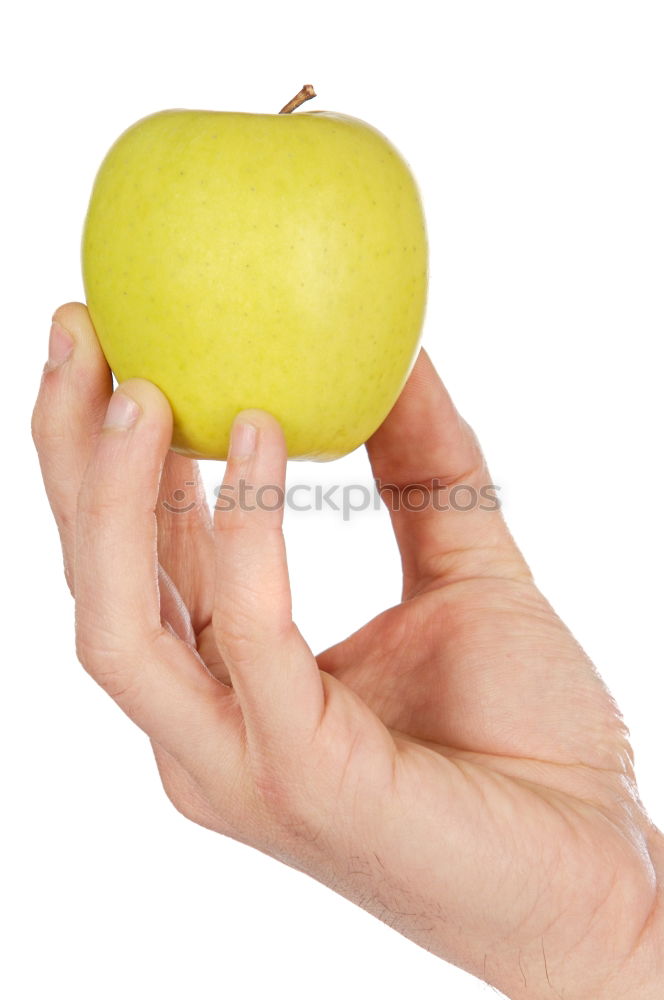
(259,260)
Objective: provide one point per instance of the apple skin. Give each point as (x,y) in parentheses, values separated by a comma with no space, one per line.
(259,260)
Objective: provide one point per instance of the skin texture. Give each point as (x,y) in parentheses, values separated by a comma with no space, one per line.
(272,261)
(456,767)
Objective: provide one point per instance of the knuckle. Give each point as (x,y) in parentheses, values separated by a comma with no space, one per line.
(224,813)
(182,795)
(38,423)
(235,633)
(240,630)
(102,505)
(95,508)
(235,646)
(112,668)
(47,427)
(69,575)
(41,423)
(107,493)
(186,805)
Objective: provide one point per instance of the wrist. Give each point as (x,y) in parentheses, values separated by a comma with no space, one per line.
(595,972)
(642,976)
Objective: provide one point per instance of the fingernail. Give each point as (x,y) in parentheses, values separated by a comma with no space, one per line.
(243,440)
(60,346)
(122,412)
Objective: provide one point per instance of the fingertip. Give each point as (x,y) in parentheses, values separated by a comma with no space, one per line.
(256,430)
(261,419)
(256,466)
(70,313)
(149,403)
(76,381)
(424,370)
(74,318)
(422,392)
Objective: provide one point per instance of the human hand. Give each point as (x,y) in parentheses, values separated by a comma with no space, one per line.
(456,767)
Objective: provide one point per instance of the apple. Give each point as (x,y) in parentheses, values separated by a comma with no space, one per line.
(245,260)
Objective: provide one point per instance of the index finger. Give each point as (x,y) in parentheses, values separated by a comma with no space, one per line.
(157,679)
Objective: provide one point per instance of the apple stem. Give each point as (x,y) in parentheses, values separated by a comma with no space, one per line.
(305,94)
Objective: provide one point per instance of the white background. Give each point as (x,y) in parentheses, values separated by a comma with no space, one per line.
(535,133)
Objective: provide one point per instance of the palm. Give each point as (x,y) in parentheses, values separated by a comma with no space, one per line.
(482,665)
(479,708)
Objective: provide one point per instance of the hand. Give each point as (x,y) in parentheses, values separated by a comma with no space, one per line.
(457,767)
